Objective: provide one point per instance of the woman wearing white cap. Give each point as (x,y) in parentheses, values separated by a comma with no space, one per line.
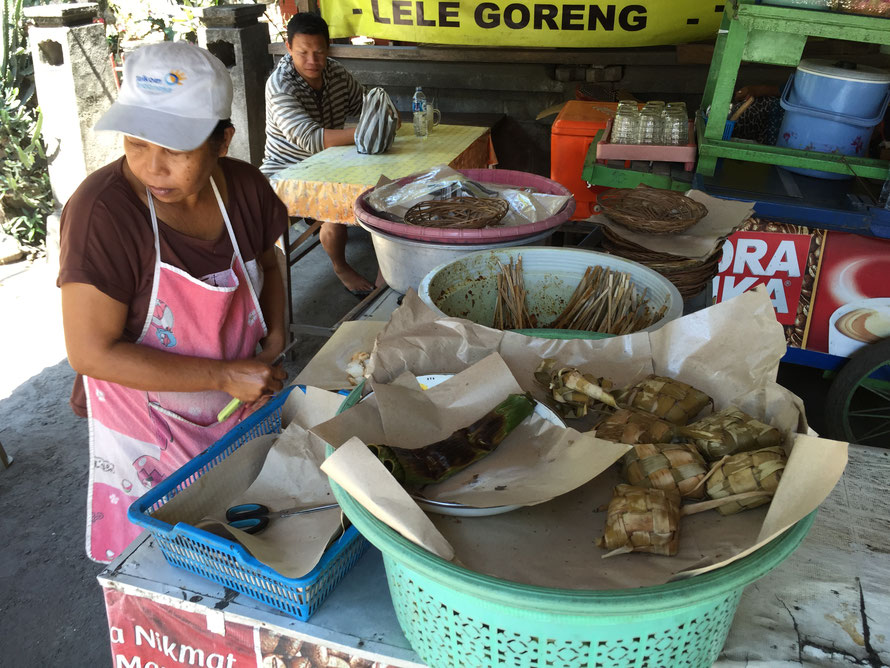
(169,283)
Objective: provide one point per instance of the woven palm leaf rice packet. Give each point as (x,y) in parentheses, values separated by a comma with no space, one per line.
(730,431)
(673,467)
(669,399)
(641,519)
(629,425)
(757,471)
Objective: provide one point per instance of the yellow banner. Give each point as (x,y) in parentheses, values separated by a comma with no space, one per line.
(622,23)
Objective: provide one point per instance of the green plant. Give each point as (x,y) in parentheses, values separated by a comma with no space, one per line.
(133,21)
(25,194)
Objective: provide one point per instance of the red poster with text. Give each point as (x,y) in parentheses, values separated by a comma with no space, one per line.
(851,305)
(775,260)
(147,634)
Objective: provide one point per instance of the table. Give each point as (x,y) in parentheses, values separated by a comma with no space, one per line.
(826,605)
(325,186)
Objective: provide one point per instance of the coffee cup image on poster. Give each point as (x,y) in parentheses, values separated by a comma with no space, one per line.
(853,325)
(851,307)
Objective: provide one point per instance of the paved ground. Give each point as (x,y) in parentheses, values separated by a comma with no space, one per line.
(51,609)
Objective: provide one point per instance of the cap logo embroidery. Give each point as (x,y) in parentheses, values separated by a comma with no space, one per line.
(175,78)
(160,85)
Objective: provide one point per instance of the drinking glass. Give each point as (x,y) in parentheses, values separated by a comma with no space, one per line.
(650,126)
(676,127)
(624,127)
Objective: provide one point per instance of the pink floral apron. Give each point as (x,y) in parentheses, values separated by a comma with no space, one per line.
(138,438)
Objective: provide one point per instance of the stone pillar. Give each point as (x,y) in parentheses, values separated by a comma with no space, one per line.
(75,86)
(233,34)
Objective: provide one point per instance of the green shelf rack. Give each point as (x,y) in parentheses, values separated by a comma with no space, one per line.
(775,35)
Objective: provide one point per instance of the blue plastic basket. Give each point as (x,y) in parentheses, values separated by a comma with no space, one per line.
(227,562)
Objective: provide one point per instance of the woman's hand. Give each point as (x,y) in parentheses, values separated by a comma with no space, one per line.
(272,345)
(253,379)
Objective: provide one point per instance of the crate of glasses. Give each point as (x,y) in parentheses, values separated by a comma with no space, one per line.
(654,131)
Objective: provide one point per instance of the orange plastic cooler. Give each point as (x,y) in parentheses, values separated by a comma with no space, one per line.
(570,138)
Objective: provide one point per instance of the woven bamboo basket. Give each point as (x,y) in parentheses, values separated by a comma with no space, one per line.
(651,210)
(468,213)
(689,275)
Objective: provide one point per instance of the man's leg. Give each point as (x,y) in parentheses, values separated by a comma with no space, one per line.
(333,240)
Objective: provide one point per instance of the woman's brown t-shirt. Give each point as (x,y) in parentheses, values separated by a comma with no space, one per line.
(107,239)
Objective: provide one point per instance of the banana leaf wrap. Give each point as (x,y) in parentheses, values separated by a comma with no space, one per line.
(572,392)
(416,467)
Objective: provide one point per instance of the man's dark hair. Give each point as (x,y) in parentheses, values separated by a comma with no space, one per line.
(306,23)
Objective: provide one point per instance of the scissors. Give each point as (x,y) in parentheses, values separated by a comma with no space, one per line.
(254,517)
(232,406)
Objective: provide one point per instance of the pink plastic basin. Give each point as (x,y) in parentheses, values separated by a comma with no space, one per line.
(366,215)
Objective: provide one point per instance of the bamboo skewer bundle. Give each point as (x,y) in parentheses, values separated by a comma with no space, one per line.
(640,519)
(510,309)
(669,466)
(666,398)
(607,301)
(730,431)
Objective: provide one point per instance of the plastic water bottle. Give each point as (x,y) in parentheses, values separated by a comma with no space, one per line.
(418,106)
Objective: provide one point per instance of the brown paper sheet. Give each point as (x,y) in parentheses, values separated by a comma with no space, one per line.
(726,350)
(327,369)
(731,350)
(535,463)
(416,341)
(309,408)
(554,544)
(700,240)
(291,477)
(280,471)
(353,467)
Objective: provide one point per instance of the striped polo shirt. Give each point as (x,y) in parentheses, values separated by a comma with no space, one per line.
(296,115)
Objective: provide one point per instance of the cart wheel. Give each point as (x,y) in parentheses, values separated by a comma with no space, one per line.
(858,406)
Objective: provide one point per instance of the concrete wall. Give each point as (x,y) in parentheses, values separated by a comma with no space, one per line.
(75,87)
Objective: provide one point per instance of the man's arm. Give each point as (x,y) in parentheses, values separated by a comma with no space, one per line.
(295,123)
(339,137)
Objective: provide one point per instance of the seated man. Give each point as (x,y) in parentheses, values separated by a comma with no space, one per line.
(308,98)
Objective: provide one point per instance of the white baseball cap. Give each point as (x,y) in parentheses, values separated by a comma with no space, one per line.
(173,95)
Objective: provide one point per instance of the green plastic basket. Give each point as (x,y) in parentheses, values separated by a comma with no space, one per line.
(454,617)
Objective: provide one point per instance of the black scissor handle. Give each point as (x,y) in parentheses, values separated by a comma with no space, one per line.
(250,525)
(246,511)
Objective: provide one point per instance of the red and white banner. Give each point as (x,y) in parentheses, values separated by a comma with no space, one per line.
(764,258)
(146,633)
(831,290)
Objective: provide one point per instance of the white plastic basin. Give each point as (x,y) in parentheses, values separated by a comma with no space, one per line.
(466,287)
